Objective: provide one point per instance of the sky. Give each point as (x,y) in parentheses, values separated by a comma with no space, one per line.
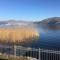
(30,10)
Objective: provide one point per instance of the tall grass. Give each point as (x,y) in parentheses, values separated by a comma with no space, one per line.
(18,35)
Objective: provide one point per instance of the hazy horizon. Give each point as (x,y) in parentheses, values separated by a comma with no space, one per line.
(29,10)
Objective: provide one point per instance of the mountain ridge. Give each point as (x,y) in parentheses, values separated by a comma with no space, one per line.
(50,23)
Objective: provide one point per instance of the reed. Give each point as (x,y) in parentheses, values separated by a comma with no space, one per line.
(18,35)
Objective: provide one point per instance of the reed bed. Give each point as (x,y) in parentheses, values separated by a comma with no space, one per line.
(18,35)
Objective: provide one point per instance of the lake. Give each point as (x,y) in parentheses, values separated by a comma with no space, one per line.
(48,39)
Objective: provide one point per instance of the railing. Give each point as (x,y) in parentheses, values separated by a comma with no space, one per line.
(30,53)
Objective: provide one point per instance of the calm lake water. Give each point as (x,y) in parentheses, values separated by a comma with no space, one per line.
(48,39)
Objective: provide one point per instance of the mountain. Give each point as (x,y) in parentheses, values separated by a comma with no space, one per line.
(50,23)
(14,23)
